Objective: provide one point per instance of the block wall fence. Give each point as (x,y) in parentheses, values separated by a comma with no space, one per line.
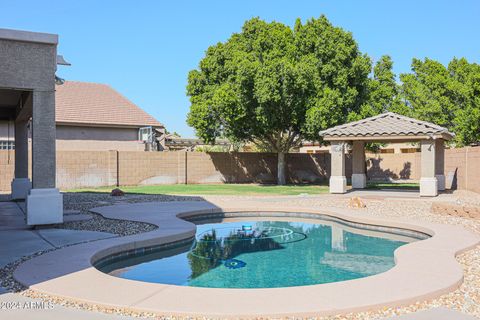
(80,169)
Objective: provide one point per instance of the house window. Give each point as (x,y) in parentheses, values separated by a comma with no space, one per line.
(7,145)
(309,151)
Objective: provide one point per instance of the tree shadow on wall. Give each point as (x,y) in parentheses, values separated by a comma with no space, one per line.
(376,172)
(406,172)
(245,167)
(308,168)
(261,168)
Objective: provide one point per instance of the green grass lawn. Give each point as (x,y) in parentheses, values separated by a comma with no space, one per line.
(389,185)
(217,189)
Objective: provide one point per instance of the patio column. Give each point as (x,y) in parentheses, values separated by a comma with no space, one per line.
(440,163)
(428,181)
(21,184)
(338,181)
(44,203)
(359,178)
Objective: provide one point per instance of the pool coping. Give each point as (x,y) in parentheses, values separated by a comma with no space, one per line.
(423,270)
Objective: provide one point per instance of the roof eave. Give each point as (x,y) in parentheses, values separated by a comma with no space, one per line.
(106,125)
(444,136)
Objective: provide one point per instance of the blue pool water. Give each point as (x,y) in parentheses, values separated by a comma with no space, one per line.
(265,254)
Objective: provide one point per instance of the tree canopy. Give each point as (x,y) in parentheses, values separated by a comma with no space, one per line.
(274,86)
(448,96)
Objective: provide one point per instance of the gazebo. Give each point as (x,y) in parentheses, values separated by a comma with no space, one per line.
(387,127)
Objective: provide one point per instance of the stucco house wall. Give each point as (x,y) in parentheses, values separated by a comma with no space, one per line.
(76,138)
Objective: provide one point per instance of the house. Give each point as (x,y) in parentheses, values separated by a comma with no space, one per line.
(93,116)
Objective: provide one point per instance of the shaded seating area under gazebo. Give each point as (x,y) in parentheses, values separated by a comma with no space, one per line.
(387,127)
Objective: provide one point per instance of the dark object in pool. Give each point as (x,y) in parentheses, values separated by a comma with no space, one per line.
(234,264)
(117,193)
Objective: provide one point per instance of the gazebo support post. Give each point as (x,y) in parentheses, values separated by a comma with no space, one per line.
(428,180)
(359,178)
(440,163)
(338,181)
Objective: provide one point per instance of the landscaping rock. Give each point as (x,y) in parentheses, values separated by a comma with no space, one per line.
(356,202)
(117,193)
(457,210)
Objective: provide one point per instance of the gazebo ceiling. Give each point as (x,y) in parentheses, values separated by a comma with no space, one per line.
(387,127)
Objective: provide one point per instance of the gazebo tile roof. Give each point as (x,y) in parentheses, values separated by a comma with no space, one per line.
(386,125)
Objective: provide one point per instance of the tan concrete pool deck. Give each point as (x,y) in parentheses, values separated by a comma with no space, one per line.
(423,270)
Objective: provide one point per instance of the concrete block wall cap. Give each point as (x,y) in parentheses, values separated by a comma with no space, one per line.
(56,273)
(28,36)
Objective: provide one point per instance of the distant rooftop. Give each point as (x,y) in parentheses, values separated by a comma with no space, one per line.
(86,103)
(387,126)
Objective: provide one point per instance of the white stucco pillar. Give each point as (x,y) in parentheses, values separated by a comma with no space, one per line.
(440,163)
(45,202)
(338,181)
(359,178)
(21,184)
(428,180)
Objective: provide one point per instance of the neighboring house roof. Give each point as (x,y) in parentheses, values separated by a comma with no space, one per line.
(98,104)
(386,126)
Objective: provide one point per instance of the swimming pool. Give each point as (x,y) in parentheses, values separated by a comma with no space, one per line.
(256,252)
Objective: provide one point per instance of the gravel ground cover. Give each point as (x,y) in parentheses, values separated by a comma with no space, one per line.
(83,202)
(465,299)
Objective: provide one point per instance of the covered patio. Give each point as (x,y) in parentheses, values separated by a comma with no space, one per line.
(28,61)
(385,128)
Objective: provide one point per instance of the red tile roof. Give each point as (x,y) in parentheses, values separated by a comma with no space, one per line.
(98,104)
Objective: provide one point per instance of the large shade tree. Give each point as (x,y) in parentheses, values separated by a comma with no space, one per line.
(274,86)
(383,91)
(446,95)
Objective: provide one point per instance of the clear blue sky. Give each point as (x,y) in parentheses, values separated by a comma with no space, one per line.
(144,49)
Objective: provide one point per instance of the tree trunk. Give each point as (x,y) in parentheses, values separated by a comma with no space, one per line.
(281,180)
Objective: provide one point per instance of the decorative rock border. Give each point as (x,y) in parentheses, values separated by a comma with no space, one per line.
(464,211)
(424,269)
